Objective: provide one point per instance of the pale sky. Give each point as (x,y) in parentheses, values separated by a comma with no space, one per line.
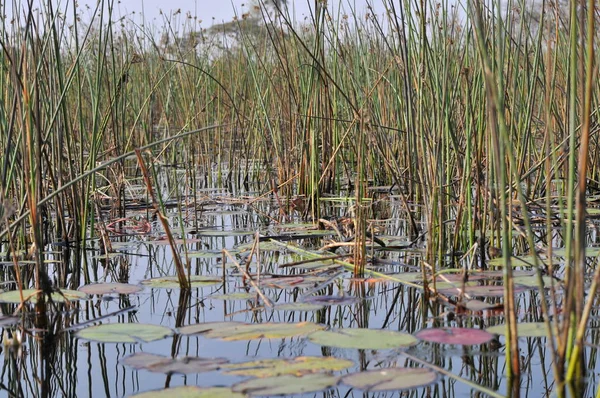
(209,11)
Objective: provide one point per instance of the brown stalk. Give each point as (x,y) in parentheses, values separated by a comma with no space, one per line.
(184,282)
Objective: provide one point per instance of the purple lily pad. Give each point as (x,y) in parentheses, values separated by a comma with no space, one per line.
(458,336)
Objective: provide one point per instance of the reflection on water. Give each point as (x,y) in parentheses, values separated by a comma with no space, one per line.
(57,363)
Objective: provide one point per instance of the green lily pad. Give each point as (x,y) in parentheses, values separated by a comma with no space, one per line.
(191,392)
(526,329)
(165,242)
(478,305)
(205,254)
(124,333)
(331,300)
(231,331)
(481,291)
(171,282)
(295,366)
(162,364)
(403,277)
(391,379)
(29,295)
(108,288)
(589,252)
(442,285)
(293,282)
(296,226)
(264,247)
(217,232)
(457,336)
(299,307)
(286,384)
(234,296)
(527,261)
(532,281)
(369,339)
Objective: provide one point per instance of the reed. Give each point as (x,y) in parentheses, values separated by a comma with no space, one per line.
(481,119)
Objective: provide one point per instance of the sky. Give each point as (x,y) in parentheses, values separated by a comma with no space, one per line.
(208,11)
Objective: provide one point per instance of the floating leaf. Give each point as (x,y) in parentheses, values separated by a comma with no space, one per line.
(299,307)
(108,288)
(171,282)
(107,256)
(532,281)
(191,392)
(391,379)
(526,261)
(217,233)
(286,385)
(526,329)
(374,339)
(200,328)
(441,285)
(478,305)
(481,291)
(162,364)
(234,296)
(231,331)
(8,320)
(264,247)
(205,254)
(296,226)
(292,282)
(30,296)
(296,366)
(458,336)
(404,277)
(589,252)
(124,333)
(331,300)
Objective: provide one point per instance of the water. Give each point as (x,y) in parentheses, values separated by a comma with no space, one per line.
(64,365)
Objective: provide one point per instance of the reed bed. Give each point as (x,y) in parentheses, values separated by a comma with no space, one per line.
(482,113)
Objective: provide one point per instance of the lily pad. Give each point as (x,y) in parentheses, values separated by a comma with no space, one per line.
(264,247)
(232,331)
(412,277)
(191,392)
(107,256)
(124,333)
(286,384)
(458,336)
(171,282)
(8,320)
(299,307)
(481,291)
(108,288)
(331,300)
(527,261)
(391,379)
(205,254)
(234,296)
(478,305)
(369,339)
(532,281)
(30,295)
(292,282)
(217,232)
(162,364)
(295,366)
(526,329)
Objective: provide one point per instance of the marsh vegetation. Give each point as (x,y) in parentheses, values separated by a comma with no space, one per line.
(353,203)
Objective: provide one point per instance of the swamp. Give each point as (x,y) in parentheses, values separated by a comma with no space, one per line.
(390,199)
